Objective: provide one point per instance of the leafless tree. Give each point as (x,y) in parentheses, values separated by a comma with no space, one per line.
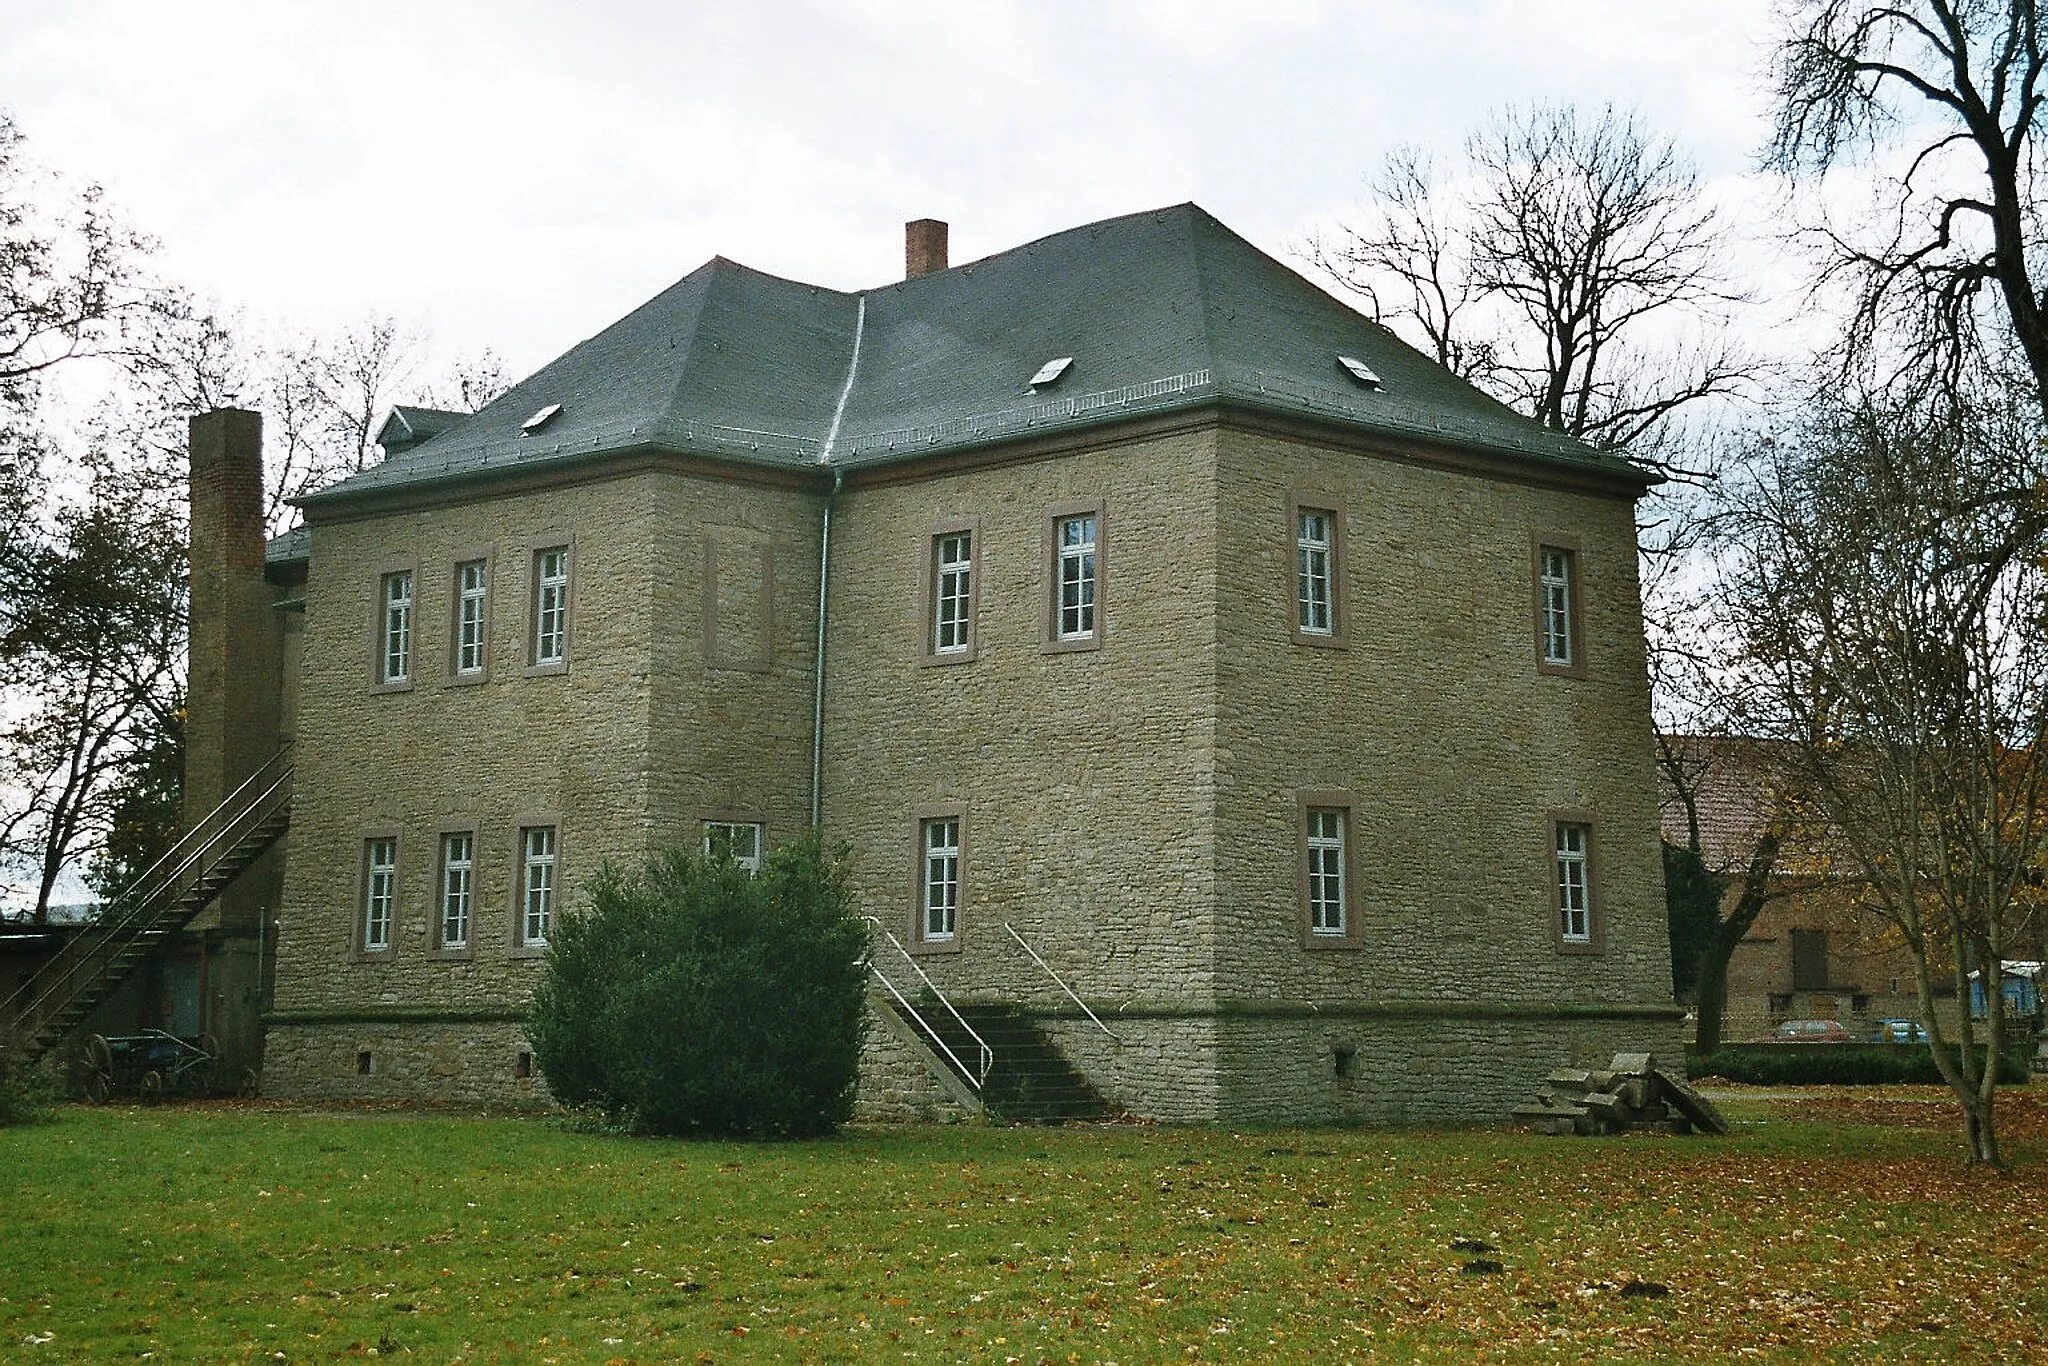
(1956,246)
(1543,266)
(1896,668)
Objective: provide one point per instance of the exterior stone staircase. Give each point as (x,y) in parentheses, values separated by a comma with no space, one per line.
(1029,1081)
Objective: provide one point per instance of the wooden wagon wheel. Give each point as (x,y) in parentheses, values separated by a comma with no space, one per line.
(152,1087)
(96,1086)
(251,1086)
(99,1055)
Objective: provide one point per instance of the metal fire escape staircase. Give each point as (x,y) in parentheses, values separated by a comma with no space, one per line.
(142,919)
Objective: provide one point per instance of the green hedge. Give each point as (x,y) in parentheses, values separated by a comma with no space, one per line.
(1839,1064)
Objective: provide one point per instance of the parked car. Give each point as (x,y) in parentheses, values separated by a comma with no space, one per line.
(1901,1031)
(1811,1031)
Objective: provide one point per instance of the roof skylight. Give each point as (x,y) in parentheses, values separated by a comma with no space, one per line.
(1050,372)
(1359,371)
(540,419)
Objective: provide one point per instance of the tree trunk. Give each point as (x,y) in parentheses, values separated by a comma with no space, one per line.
(1712,990)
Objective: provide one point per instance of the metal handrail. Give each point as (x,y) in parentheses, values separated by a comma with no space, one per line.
(140,903)
(1062,983)
(988,1055)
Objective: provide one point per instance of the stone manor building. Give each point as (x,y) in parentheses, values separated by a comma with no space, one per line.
(1256,708)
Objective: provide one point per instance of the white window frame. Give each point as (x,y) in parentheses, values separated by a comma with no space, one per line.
(1572,849)
(953,592)
(551,569)
(1554,585)
(538,859)
(394,634)
(1314,571)
(1076,537)
(472,607)
(1328,910)
(734,837)
(458,888)
(939,899)
(380,892)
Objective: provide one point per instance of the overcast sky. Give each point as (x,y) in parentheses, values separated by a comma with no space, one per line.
(517,174)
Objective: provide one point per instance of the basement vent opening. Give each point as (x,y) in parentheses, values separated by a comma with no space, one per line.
(1359,371)
(1050,372)
(540,419)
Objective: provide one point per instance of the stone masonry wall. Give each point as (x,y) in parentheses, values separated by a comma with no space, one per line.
(1434,717)
(1082,778)
(897,1084)
(734,604)
(1419,1070)
(568,748)
(450,1063)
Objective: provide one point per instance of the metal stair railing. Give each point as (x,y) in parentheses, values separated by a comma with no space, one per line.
(181,883)
(975,1078)
(1061,982)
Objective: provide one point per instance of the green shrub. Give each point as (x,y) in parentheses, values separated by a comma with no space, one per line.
(25,1094)
(691,997)
(1814,1064)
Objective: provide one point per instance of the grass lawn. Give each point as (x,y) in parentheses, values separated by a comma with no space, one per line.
(1831,1224)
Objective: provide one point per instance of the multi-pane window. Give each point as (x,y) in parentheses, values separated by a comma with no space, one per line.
(1077,576)
(1574,896)
(739,841)
(458,868)
(380,892)
(1326,870)
(1313,556)
(952,592)
(471,585)
(394,637)
(551,605)
(1554,597)
(941,882)
(536,884)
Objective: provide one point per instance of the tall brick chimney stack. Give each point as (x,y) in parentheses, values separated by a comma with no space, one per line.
(924,247)
(233,687)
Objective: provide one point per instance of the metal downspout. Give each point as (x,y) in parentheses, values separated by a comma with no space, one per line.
(818,666)
(860,328)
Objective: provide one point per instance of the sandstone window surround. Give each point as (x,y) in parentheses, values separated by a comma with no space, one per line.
(940,877)
(1315,522)
(455,891)
(375,938)
(392,620)
(469,625)
(1554,571)
(1575,910)
(1325,869)
(537,880)
(952,592)
(1076,576)
(743,841)
(550,605)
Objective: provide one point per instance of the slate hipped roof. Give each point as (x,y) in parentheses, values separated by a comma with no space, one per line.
(1161,311)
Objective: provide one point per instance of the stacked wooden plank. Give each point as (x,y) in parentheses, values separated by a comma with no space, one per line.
(1630,1095)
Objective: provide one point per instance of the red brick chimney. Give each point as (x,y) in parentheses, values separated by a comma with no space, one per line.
(233,685)
(924,247)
